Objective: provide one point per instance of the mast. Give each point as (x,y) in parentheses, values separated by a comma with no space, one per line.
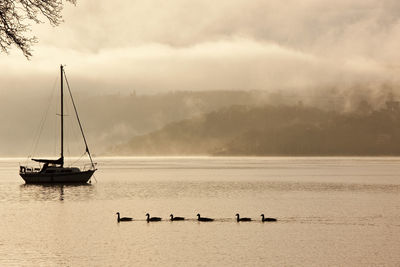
(62,116)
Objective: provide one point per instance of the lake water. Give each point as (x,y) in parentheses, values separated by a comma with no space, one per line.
(330,211)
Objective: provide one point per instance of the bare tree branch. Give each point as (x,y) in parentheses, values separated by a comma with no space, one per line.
(14,21)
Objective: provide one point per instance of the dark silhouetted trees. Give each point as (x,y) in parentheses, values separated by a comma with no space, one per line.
(15,16)
(274,130)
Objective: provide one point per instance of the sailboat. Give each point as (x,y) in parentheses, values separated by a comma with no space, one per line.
(53,170)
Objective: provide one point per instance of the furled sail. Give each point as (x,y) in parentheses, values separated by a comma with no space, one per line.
(51,161)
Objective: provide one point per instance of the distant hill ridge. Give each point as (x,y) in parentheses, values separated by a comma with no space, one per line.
(273,130)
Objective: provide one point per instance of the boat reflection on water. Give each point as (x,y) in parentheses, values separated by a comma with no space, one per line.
(52,192)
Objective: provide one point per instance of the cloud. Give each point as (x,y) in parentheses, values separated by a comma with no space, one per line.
(203,45)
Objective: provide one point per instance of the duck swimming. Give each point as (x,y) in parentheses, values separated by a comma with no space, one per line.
(176,218)
(152,219)
(123,219)
(238,219)
(203,219)
(263,219)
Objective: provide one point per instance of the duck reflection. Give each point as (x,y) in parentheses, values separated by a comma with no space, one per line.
(60,192)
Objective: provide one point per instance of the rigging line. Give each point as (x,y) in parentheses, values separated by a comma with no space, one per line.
(43,120)
(71,132)
(73,163)
(79,121)
(55,130)
(67,138)
(94,178)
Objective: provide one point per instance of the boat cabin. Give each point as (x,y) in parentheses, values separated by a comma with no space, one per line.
(48,168)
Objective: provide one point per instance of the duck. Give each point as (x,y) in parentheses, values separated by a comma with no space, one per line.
(238,219)
(267,219)
(176,218)
(123,219)
(203,219)
(152,219)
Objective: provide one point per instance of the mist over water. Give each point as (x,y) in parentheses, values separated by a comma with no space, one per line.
(143,124)
(331,211)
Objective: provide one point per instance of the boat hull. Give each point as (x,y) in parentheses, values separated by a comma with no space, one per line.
(81,177)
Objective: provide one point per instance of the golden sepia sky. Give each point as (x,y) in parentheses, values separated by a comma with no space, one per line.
(158,45)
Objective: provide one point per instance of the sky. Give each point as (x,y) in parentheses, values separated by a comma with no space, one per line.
(159,46)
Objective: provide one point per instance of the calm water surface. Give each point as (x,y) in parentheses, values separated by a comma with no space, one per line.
(331,212)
